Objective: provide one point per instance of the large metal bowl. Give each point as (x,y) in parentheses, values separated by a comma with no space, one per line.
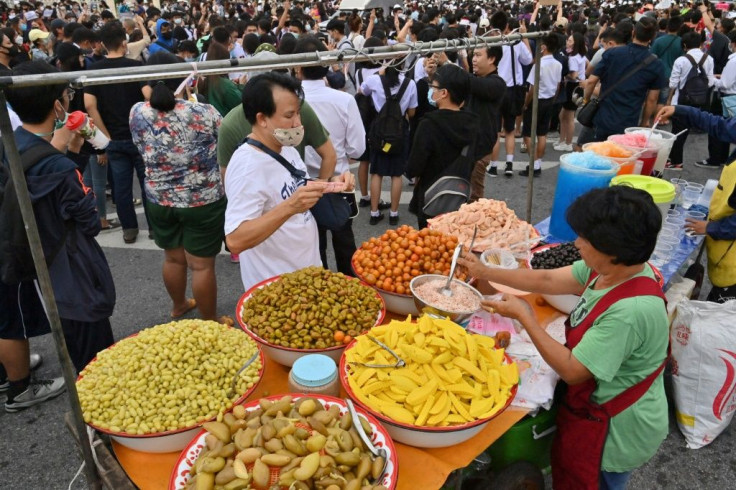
(423,307)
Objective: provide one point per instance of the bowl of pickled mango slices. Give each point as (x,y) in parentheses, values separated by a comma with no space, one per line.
(430,382)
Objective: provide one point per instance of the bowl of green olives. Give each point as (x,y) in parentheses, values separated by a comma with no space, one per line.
(309,311)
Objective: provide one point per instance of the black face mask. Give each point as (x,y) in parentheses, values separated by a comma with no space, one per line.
(166,35)
(12,51)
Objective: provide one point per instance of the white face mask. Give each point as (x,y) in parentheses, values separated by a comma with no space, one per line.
(290,136)
(19,40)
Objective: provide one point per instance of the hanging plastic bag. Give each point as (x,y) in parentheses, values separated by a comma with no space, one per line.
(704,369)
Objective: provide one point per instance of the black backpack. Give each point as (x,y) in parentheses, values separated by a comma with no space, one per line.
(387,130)
(452,189)
(695,91)
(365,103)
(16,261)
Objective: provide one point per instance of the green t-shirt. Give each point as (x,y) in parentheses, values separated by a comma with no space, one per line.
(225,96)
(667,48)
(623,346)
(235,127)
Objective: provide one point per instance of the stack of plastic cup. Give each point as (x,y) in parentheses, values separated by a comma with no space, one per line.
(675,224)
(663,253)
(691,194)
(679,187)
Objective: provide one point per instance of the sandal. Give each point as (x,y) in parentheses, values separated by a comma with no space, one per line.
(191,304)
(111,224)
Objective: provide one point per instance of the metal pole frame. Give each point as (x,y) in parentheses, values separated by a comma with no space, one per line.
(179,70)
(47,291)
(533,137)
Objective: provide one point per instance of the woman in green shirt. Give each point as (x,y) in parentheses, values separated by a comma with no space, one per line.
(220,91)
(616,339)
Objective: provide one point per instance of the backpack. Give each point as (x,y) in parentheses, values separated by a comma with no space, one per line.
(695,91)
(365,103)
(452,189)
(387,130)
(16,261)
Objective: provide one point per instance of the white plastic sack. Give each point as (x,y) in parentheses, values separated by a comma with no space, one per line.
(703,338)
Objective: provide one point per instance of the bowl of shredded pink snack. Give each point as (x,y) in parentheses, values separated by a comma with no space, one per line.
(428,298)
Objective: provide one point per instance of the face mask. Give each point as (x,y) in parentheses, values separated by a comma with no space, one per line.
(177,21)
(59,123)
(189,59)
(166,35)
(289,137)
(295,34)
(13,51)
(19,40)
(431,101)
(24,27)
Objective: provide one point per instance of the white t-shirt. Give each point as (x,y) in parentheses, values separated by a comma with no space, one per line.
(255,184)
(550,74)
(577,63)
(372,86)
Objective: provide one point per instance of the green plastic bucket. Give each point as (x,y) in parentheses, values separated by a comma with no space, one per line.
(530,440)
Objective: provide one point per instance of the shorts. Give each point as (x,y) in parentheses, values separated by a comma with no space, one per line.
(21,312)
(511,108)
(569,89)
(199,230)
(663,95)
(544,116)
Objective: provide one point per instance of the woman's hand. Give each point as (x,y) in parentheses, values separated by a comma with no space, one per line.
(475,267)
(509,306)
(695,226)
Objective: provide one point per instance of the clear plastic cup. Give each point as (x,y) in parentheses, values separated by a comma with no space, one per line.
(691,194)
(679,186)
(677,224)
(696,215)
(663,252)
(673,213)
(670,240)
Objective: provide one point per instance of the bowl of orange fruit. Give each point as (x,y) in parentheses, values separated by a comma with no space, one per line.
(389,263)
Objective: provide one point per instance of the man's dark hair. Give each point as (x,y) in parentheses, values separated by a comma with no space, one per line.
(258,93)
(691,40)
(455,80)
(727,25)
(287,44)
(112,35)
(674,24)
(495,52)
(83,34)
(251,43)
(188,47)
(625,31)
(71,27)
(310,44)
(662,24)
(264,25)
(499,20)
(267,38)
(221,35)
(645,30)
(298,24)
(428,34)
(33,104)
(620,221)
(551,42)
(106,14)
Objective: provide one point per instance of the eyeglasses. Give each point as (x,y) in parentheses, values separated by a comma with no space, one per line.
(69,94)
(437,87)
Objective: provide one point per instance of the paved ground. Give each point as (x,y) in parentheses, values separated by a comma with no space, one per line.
(36,452)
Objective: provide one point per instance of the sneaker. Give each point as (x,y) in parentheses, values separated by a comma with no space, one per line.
(393,220)
(35,363)
(364,203)
(137,201)
(376,219)
(509,172)
(553,137)
(706,164)
(235,258)
(39,390)
(492,171)
(412,181)
(562,147)
(130,235)
(525,172)
(524,148)
(674,166)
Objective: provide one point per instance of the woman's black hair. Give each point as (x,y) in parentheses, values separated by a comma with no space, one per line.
(392,76)
(162,96)
(371,42)
(453,79)
(33,104)
(578,44)
(258,93)
(619,221)
(287,44)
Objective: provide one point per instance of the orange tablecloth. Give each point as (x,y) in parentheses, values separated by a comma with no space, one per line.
(418,468)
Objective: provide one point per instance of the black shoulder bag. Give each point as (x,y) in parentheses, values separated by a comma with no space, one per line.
(332,211)
(588,111)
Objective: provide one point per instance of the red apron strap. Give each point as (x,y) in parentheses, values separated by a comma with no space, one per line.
(630,395)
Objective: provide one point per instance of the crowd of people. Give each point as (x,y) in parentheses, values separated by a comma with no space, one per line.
(242,158)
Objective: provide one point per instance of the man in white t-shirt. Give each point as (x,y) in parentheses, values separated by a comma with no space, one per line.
(267,220)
